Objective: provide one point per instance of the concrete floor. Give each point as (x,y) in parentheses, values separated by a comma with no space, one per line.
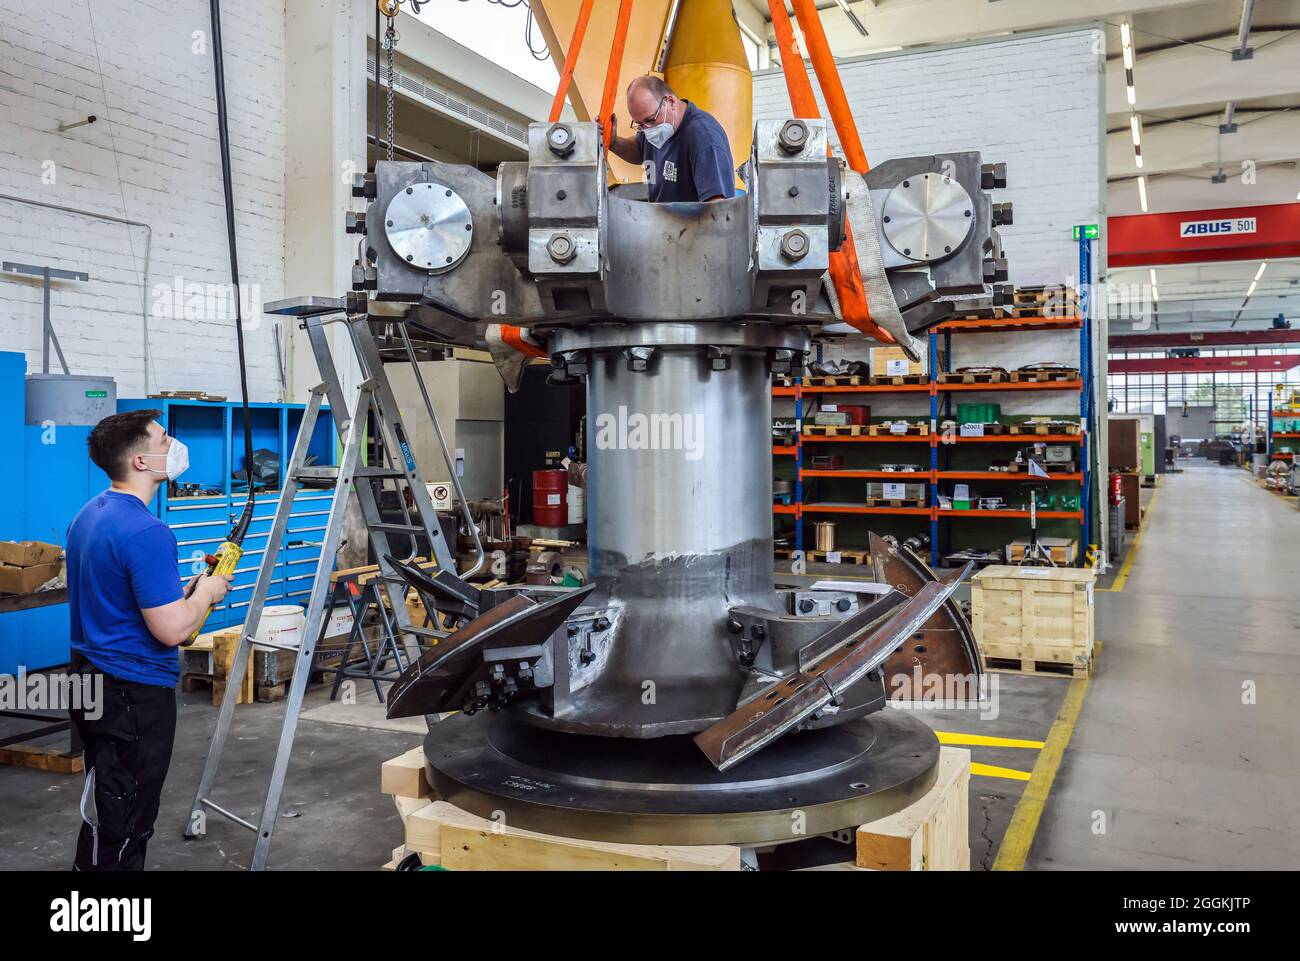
(1185,774)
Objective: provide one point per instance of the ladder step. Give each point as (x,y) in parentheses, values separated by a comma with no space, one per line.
(273,644)
(399,528)
(332,472)
(228,814)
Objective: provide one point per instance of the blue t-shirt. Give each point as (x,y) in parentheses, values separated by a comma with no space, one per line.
(695,163)
(121,559)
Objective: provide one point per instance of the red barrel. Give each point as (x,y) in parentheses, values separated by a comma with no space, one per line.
(550,496)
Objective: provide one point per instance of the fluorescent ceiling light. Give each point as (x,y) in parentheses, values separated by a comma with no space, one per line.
(1138,160)
(1251,291)
(1124,36)
(1132,95)
(853,17)
(1136,129)
(1155,295)
(1260,273)
(1153,276)
(1142,196)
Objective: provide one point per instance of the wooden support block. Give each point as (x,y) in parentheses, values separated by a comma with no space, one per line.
(42,759)
(459,841)
(932,833)
(224,645)
(404,776)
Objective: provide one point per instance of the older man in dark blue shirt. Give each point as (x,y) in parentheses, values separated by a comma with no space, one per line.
(683,149)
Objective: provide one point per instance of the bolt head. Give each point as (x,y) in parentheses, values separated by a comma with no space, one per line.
(561,248)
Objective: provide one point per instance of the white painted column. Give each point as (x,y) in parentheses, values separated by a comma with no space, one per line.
(325,94)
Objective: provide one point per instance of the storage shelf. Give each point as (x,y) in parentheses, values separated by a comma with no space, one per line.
(1042,515)
(834,508)
(783,451)
(1289,433)
(1075,385)
(1005,475)
(869,474)
(860,389)
(1018,439)
(864,439)
(992,325)
(790,509)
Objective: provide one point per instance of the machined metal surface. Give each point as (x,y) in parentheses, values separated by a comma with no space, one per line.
(941,655)
(853,655)
(927,217)
(663,791)
(429,226)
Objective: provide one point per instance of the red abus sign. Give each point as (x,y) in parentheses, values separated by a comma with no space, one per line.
(1196,236)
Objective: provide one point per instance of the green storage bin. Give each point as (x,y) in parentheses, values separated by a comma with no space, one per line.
(978,413)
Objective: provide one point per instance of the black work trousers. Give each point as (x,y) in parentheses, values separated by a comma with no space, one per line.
(128,751)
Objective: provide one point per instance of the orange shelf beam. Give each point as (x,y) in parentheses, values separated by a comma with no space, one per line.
(1004,475)
(1025,385)
(860,389)
(1042,515)
(863,439)
(863,509)
(870,474)
(783,451)
(1017,439)
(785,509)
(996,324)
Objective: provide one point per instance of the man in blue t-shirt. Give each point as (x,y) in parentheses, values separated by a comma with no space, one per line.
(129,613)
(684,150)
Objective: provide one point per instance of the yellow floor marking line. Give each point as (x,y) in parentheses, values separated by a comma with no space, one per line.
(1014,849)
(992,770)
(1127,566)
(984,740)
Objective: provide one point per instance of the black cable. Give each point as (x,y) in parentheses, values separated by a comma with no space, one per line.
(219,75)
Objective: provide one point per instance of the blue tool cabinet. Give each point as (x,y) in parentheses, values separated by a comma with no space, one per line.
(214,434)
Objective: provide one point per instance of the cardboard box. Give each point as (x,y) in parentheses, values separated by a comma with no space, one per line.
(854,413)
(24,580)
(887,490)
(29,553)
(892,362)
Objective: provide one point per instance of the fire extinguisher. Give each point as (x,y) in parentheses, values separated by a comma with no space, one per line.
(1116,488)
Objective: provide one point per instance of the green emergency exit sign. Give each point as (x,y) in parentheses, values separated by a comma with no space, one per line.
(1090,231)
(96,393)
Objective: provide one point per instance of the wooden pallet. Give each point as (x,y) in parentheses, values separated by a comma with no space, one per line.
(1056,427)
(931,834)
(973,377)
(1051,376)
(1009,665)
(1017,469)
(831,430)
(896,502)
(846,556)
(837,380)
(917,429)
(43,758)
(898,380)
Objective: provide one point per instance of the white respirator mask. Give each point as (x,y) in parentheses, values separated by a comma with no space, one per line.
(659,134)
(178,460)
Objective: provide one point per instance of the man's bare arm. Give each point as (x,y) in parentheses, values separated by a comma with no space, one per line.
(172,624)
(624,148)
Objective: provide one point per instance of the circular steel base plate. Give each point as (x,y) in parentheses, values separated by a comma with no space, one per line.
(664,791)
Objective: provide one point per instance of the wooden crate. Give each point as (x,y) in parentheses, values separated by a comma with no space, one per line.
(1037,616)
(1064,550)
(930,834)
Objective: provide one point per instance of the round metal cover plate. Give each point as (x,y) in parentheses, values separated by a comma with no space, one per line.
(429,226)
(664,791)
(927,217)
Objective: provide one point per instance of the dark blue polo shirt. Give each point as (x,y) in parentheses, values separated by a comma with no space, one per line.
(695,164)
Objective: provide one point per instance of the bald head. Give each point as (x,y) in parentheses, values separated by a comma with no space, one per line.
(651,101)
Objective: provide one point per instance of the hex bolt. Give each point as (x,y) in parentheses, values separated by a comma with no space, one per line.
(600,624)
(561,195)
(842,605)
(561,248)
(793,136)
(794,191)
(794,245)
(560,139)
(806,605)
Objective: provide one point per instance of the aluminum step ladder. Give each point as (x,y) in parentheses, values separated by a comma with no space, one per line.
(374,396)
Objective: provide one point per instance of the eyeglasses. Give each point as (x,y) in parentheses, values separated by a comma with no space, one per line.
(645,124)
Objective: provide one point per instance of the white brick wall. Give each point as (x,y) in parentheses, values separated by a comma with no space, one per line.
(1033,102)
(153,157)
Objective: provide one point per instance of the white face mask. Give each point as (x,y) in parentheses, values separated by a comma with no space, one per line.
(659,134)
(178,460)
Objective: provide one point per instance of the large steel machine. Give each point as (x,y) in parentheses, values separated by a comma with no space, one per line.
(683,695)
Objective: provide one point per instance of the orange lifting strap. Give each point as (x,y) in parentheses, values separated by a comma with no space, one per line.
(845,272)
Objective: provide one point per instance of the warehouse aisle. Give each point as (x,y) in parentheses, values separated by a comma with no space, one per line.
(1185,754)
